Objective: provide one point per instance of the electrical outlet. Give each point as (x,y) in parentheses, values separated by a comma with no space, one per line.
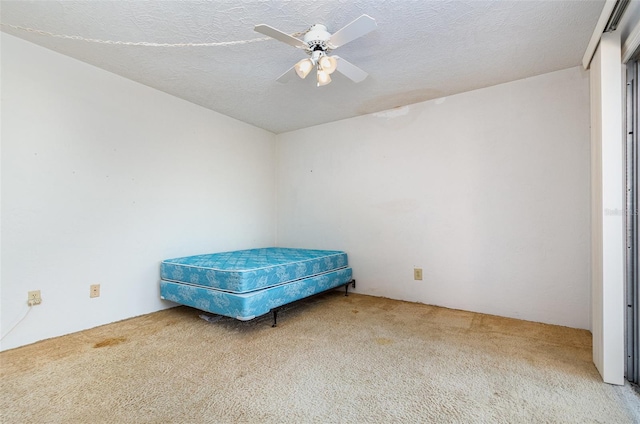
(95,290)
(34,298)
(417,273)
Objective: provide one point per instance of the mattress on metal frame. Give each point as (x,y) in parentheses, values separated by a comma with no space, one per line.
(246,306)
(244,271)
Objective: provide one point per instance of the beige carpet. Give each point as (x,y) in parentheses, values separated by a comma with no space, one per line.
(356,359)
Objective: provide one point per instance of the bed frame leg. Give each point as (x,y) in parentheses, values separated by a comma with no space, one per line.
(275,317)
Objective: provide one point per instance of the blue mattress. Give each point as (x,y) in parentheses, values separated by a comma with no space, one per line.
(246,306)
(244,271)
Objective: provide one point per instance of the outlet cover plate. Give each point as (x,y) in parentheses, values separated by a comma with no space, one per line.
(417,273)
(34,298)
(94,290)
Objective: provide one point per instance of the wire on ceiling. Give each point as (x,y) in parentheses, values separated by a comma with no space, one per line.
(135,43)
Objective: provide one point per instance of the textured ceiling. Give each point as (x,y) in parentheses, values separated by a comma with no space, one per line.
(421,50)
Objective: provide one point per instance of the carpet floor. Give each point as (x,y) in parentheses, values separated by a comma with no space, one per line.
(332,359)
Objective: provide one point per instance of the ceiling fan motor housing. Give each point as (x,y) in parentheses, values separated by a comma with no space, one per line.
(317,37)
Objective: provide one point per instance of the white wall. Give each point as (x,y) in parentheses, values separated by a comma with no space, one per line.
(102,178)
(487,191)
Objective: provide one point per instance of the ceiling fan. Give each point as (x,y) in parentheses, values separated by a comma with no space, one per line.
(318,43)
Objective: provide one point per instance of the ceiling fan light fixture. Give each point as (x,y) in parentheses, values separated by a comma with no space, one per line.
(323,78)
(328,64)
(303,68)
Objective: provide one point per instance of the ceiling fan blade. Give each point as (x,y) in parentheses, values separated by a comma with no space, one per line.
(361,26)
(287,76)
(350,70)
(280,36)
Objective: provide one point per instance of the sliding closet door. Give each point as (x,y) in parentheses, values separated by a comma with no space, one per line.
(631,189)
